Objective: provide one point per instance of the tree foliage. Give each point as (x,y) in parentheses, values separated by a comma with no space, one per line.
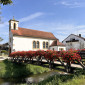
(1,39)
(5,2)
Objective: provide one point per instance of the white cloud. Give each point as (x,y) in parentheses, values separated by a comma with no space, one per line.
(80,26)
(4,24)
(30,17)
(82,32)
(71,3)
(60,30)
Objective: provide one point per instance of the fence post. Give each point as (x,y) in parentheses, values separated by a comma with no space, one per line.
(39,60)
(68,67)
(50,64)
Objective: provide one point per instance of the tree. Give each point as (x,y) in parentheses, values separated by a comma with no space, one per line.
(1,39)
(5,2)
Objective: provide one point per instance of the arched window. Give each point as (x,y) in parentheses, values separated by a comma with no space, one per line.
(46,44)
(37,44)
(14,26)
(43,44)
(34,44)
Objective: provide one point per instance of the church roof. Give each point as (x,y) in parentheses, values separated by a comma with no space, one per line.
(33,33)
(57,43)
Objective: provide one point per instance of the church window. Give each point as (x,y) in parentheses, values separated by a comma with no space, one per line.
(34,44)
(46,44)
(43,44)
(14,26)
(37,44)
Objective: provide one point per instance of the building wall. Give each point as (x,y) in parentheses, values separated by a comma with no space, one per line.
(61,47)
(11,26)
(18,43)
(10,40)
(75,45)
(57,48)
(26,43)
(54,47)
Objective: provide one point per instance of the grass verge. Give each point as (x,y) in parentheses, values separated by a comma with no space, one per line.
(8,69)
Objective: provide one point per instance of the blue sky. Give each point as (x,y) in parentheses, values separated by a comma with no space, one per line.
(61,17)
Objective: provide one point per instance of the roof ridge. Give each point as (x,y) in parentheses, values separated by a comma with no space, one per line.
(78,36)
(74,35)
(33,33)
(34,30)
(57,43)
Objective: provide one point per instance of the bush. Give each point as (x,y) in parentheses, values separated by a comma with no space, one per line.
(10,70)
(4,51)
(67,56)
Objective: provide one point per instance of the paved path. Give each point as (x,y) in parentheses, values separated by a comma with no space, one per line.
(3,58)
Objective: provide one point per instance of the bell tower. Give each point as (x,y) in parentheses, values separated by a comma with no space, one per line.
(13,24)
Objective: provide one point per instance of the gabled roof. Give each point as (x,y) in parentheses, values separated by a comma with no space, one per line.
(76,36)
(33,33)
(56,43)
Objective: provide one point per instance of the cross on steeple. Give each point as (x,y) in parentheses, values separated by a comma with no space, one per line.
(13,18)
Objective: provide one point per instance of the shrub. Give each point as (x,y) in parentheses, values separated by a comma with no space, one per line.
(4,51)
(67,56)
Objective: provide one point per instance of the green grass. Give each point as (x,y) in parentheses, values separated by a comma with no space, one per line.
(37,69)
(8,69)
(76,81)
(57,80)
(2,69)
(78,78)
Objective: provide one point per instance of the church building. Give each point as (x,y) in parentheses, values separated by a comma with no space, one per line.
(22,39)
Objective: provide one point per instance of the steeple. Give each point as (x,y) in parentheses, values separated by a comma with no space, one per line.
(13,18)
(13,24)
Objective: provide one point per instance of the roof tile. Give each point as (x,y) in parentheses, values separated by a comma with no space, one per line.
(33,33)
(57,43)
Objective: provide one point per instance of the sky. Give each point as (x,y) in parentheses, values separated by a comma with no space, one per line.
(61,17)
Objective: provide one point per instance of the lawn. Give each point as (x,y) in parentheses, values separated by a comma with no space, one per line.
(8,69)
(80,80)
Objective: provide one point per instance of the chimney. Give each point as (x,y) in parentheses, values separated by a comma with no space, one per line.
(79,35)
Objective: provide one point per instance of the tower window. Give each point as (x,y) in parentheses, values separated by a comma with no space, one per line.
(14,26)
